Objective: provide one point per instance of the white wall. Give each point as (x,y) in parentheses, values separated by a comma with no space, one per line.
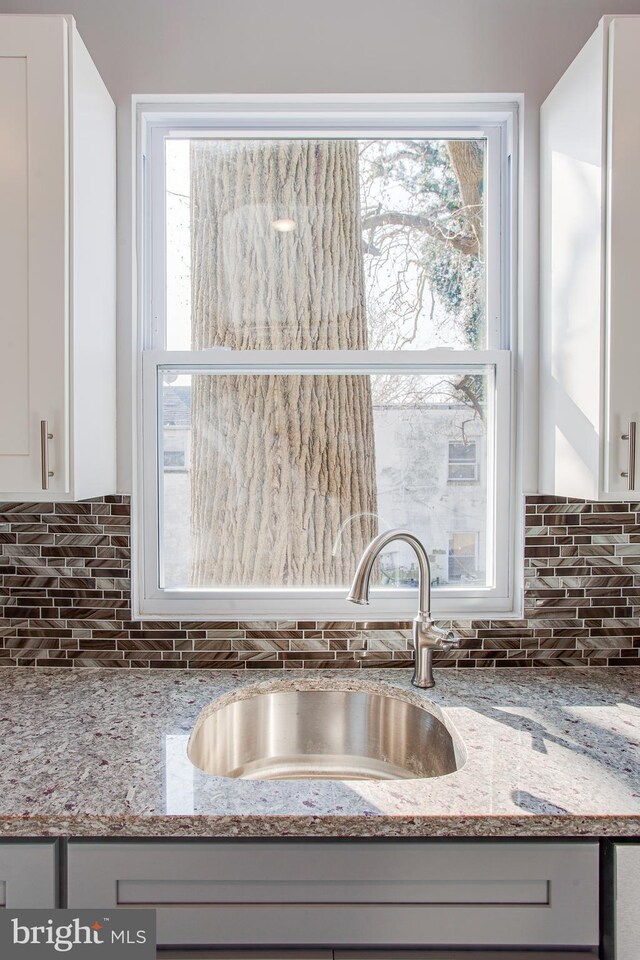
(336,46)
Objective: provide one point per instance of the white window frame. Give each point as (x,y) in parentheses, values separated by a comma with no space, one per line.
(305,117)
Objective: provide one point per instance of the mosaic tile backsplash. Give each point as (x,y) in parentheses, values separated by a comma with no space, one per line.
(65,601)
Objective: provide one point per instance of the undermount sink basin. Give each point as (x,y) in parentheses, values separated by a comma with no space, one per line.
(321,735)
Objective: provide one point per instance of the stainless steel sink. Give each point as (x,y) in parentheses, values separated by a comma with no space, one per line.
(321,735)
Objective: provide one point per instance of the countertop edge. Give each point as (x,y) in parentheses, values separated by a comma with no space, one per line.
(341,827)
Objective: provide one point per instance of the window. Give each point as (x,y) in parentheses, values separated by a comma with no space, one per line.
(325,299)
(463,557)
(173,459)
(463,462)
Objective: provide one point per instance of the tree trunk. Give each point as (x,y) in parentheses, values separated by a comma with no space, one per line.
(467,158)
(279,463)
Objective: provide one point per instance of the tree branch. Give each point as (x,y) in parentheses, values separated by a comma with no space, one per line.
(418,221)
(463,387)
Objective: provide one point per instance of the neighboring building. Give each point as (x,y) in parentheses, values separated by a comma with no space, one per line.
(177,427)
(432,479)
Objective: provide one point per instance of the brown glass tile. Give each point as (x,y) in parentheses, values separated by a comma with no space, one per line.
(317,643)
(501,643)
(141,644)
(251,643)
(219,643)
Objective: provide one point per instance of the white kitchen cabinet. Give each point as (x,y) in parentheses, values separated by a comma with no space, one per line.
(28,874)
(590,281)
(57,265)
(331,894)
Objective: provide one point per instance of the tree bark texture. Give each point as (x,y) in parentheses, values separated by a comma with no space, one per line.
(280,463)
(467,157)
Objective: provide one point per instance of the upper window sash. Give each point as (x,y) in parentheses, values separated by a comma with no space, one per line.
(461,123)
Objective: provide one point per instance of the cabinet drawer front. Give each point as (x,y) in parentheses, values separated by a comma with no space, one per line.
(347,893)
(28,876)
(456,955)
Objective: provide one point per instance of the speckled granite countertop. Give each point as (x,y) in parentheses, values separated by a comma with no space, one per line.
(95,753)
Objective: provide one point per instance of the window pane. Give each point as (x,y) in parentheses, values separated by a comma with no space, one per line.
(462,452)
(463,471)
(325,244)
(463,559)
(288,476)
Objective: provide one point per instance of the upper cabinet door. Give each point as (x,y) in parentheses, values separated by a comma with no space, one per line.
(622,268)
(590,282)
(57,265)
(33,249)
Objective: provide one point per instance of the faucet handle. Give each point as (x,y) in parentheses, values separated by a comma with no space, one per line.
(440,638)
(451,639)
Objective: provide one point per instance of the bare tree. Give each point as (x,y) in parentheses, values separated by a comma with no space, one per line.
(424,207)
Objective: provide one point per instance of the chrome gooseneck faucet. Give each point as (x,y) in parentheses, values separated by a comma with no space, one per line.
(426,636)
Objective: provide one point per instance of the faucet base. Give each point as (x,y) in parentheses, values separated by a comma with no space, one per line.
(422,684)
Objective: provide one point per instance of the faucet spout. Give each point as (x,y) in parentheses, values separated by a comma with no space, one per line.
(359,592)
(426,636)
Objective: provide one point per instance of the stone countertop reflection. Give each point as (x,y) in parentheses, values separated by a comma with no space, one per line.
(549,752)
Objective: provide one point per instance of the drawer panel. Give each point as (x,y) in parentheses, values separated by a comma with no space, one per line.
(250,954)
(348,893)
(132,893)
(463,955)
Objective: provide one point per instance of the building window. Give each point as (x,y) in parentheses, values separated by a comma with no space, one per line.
(174,459)
(463,557)
(326,305)
(463,461)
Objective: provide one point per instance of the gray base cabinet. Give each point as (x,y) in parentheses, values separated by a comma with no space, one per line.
(250,954)
(464,955)
(377,954)
(28,875)
(627,916)
(347,894)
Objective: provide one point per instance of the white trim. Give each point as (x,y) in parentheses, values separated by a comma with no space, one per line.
(494,232)
(302,115)
(155,316)
(347,109)
(320,361)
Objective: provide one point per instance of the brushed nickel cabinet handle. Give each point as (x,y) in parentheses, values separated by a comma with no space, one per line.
(45,436)
(630,472)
